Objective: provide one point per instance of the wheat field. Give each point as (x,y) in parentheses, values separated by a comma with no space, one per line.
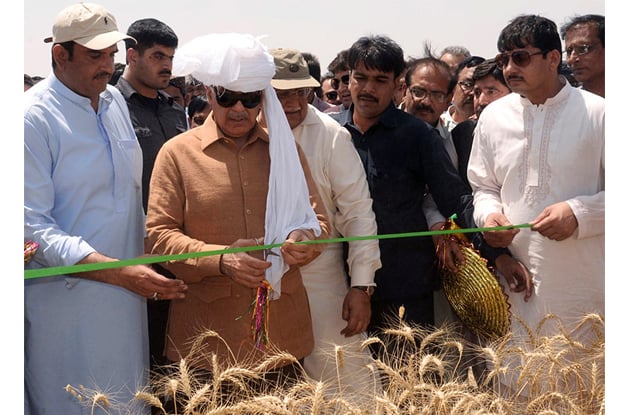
(437,372)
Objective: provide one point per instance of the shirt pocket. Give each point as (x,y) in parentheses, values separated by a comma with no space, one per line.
(131,155)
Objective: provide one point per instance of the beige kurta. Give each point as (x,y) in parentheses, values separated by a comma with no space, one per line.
(340,177)
(206,193)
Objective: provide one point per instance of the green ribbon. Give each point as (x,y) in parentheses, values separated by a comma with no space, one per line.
(71,269)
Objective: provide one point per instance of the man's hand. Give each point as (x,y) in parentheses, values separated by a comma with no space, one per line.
(144,281)
(356,311)
(243,267)
(299,254)
(516,275)
(447,250)
(556,222)
(499,239)
(139,279)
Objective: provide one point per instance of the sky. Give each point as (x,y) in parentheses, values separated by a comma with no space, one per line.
(323,30)
(295,24)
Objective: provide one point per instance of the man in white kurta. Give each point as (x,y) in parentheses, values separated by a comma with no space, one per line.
(340,314)
(538,157)
(527,157)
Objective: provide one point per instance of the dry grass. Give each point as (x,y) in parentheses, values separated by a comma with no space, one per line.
(438,372)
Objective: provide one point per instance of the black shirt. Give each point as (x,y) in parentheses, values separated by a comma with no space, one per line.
(155,120)
(403,156)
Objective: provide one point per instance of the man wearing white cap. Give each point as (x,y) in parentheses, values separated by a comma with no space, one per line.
(82,205)
(230,183)
(340,314)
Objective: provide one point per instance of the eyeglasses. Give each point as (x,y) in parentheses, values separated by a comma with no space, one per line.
(520,58)
(332,95)
(466,86)
(334,82)
(227,98)
(435,96)
(198,119)
(580,50)
(284,94)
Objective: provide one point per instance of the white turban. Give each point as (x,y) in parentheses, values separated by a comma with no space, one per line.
(239,62)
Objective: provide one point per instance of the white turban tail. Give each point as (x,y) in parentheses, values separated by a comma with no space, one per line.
(239,62)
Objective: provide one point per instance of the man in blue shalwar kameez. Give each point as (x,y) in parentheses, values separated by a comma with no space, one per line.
(82,204)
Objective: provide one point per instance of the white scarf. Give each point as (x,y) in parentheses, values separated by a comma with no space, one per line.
(239,62)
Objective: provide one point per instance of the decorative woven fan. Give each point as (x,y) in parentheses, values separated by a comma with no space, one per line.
(474,292)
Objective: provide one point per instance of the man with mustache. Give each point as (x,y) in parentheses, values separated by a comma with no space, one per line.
(230,183)
(339,301)
(403,157)
(156,117)
(430,85)
(538,157)
(82,205)
(430,88)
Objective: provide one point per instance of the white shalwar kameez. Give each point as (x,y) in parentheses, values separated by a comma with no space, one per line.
(342,184)
(526,157)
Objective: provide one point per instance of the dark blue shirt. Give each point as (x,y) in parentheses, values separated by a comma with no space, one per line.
(403,158)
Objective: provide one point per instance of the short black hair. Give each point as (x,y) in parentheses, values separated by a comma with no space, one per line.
(197,104)
(377,52)
(314,67)
(469,62)
(530,30)
(593,19)
(339,63)
(489,67)
(149,32)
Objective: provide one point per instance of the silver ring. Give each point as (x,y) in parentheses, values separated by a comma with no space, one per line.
(155,296)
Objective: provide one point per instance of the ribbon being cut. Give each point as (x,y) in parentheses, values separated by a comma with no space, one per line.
(240,62)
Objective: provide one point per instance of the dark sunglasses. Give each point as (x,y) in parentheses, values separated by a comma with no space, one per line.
(332,95)
(520,58)
(227,98)
(334,82)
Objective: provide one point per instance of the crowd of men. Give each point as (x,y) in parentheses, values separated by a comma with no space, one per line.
(162,156)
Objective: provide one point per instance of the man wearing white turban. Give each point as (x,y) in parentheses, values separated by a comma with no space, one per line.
(227,184)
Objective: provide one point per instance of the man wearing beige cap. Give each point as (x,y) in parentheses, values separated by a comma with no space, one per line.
(340,314)
(84,332)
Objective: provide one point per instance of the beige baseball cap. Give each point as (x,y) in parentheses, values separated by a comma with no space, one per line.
(87,24)
(291,70)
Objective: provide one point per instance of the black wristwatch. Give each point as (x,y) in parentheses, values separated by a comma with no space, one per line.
(368,289)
